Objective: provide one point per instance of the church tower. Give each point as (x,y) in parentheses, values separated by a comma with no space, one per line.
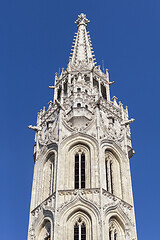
(82,184)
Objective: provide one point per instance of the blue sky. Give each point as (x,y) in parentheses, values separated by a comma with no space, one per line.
(36,38)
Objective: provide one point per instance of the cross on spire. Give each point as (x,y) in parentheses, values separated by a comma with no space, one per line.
(82,20)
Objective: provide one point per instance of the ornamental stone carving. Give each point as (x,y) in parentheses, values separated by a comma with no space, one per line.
(82,184)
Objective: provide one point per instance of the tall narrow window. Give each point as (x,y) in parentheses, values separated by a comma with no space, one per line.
(106,176)
(65,88)
(116,229)
(79,170)
(76,232)
(115,236)
(110,235)
(59,93)
(48,177)
(82,170)
(103,91)
(45,232)
(83,231)
(80,230)
(111,177)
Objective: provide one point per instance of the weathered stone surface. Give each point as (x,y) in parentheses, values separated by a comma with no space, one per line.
(82,123)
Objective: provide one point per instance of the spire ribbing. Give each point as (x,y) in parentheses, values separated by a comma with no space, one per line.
(82,47)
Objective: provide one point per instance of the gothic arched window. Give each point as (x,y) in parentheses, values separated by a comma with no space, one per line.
(65,88)
(112,171)
(116,230)
(113,235)
(79,226)
(48,176)
(79,170)
(103,91)
(109,177)
(80,230)
(59,93)
(45,231)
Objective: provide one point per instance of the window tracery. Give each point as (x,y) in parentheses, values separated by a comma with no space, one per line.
(116,230)
(79,167)
(80,230)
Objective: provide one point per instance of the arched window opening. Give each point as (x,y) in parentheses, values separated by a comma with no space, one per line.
(86,106)
(79,226)
(78,105)
(65,89)
(76,171)
(103,91)
(95,83)
(83,231)
(116,230)
(113,175)
(79,230)
(76,232)
(79,170)
(110,237)
(109,176)
(45,231)
(115,236)
(48,176)
(87,78)
(107,187)
(59,93)
(78,90)
(82,170)
(79,166)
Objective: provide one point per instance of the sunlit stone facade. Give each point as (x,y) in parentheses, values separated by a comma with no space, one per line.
(82,185)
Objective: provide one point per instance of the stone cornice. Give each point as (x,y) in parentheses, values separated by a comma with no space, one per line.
(47,202)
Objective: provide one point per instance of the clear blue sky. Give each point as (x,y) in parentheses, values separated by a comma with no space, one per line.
(35,40)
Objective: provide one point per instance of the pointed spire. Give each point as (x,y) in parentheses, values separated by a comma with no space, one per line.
(82,48)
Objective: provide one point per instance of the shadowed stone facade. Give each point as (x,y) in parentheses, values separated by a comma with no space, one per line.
(82,185)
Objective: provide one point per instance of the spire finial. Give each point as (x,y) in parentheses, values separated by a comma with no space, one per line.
(82,20)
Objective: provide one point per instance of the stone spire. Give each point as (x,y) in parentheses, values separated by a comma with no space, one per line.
(82,48)
(82,185)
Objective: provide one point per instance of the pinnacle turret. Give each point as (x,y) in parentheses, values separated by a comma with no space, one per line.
(82,47)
